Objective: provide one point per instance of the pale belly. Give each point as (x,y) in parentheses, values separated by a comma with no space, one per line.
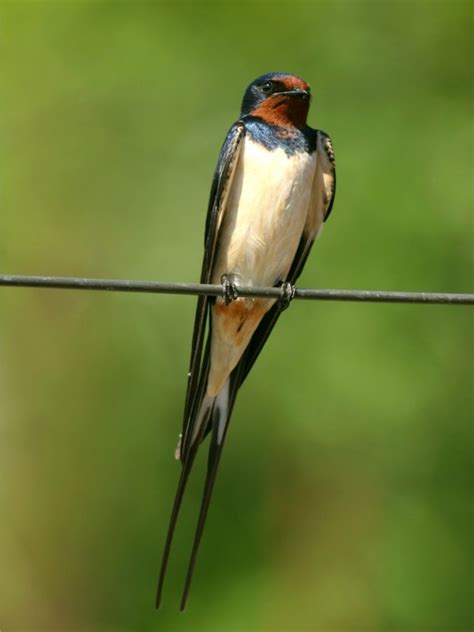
(258,239)
(265,215)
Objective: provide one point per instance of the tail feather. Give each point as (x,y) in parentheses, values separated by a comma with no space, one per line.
(183,479)
(202,418)
(213,413)
(187,458)
(220,421)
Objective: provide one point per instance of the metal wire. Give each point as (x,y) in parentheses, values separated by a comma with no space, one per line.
(159,287)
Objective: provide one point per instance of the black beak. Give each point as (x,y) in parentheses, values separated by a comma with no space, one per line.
(297,92)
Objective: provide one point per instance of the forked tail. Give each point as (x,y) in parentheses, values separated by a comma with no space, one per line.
(213,412)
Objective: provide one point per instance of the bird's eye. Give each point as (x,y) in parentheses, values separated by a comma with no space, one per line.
(267,87)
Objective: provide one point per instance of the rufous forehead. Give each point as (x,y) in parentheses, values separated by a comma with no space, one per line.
(294,82)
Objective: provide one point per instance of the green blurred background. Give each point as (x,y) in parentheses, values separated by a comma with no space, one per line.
(343,501)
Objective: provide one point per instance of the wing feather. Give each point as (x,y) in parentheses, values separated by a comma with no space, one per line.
(199,362)
(221,183)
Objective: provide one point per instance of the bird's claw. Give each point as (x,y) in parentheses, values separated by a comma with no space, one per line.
(229,288)
(287,294)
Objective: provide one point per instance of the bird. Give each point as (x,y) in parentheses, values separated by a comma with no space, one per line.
(272,189)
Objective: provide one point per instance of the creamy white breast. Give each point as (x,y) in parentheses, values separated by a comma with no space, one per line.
(265,214)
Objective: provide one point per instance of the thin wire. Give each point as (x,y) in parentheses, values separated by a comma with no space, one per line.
(158,287)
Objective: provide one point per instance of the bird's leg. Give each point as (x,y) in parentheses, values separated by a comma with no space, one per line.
(230,287)
(287,294)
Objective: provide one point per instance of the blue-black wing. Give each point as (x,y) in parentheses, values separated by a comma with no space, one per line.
(199,361)
(221,183)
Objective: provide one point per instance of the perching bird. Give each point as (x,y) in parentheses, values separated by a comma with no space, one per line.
(272,189)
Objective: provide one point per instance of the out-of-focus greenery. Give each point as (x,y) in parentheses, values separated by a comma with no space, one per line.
(343,496)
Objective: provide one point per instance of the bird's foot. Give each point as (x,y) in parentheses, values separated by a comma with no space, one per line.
(229,287)
(287,294)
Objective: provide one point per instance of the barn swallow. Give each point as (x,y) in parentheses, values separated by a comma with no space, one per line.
(273,187)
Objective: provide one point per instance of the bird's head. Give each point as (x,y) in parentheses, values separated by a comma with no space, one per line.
(278,99)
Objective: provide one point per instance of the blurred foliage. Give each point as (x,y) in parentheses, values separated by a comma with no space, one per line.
(343,501)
